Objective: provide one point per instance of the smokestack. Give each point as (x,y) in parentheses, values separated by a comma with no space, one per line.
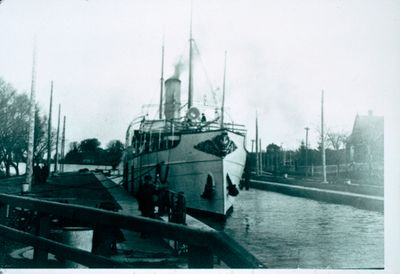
(172,98)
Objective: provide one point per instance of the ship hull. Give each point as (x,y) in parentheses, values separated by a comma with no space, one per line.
(189,165)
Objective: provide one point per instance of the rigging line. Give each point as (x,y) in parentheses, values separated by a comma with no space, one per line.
(206,74)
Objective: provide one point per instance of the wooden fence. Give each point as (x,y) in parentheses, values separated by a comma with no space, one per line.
(202,245)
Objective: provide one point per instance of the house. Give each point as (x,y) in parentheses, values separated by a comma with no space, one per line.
(366,142)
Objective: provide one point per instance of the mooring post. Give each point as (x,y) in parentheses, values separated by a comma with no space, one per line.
(132,182)
(200,257)
(4,212)
(42,229)
(181,203)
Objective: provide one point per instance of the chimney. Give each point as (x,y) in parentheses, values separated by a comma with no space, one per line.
(370,112)
(172,103)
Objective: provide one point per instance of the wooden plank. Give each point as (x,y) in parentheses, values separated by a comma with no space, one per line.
(77,255)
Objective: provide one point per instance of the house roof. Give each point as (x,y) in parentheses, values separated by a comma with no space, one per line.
(367,129)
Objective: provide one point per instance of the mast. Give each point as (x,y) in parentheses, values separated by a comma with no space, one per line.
(63,146)
(49,129)
(323,138)
(58,133)
(162,80)
(190,91)
(223,94)
(29,160)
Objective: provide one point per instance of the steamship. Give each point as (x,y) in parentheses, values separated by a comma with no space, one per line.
(202,159)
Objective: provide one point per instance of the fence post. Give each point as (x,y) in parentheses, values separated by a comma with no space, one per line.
(42,229)
(200,257)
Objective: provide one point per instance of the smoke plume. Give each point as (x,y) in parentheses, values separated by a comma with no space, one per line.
(179,66)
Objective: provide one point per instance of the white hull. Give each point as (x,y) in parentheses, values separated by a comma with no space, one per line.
(189,168)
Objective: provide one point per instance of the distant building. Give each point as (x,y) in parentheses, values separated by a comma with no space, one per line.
(366,142)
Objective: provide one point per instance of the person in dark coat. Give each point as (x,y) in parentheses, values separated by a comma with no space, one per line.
(146,198)
(37,174)
(44,173)
(203,118)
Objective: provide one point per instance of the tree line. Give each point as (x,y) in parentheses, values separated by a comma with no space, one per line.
(89,151)
(14,125)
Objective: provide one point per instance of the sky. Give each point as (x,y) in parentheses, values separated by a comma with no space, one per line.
(105,60)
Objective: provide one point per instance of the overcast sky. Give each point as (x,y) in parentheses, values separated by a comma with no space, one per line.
(105,58)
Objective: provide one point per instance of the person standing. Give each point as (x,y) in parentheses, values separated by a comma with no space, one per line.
(203,118)
(146,198)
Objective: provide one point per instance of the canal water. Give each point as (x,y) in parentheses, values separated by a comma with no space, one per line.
(292,232)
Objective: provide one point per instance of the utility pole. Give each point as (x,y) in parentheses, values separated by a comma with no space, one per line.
(58,134)
(63,145)
(260,161)
(257,158)
(49,130)
(307,129)
(29,161)
(323,139)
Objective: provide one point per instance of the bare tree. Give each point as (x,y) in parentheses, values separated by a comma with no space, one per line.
(13,125)
(14,118)
(337,141)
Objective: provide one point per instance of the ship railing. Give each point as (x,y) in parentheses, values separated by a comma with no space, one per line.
(183,125)
(202,244)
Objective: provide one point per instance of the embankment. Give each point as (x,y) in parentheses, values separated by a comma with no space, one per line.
(369,202)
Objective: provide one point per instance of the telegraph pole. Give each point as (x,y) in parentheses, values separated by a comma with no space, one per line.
(257,157)
(260,161)
(323,139)
(307,129)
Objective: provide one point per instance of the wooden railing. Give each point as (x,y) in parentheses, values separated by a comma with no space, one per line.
(202,245)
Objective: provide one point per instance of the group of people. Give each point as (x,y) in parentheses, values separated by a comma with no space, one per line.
(151,195)
(41,173)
